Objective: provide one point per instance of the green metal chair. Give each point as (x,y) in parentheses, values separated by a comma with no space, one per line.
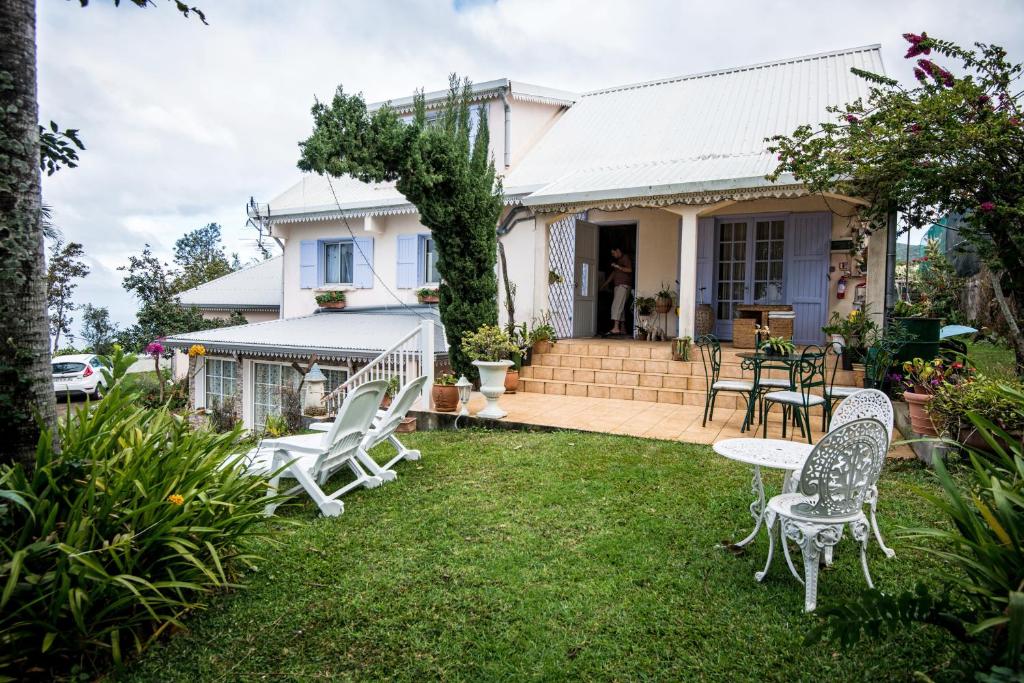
(834,393)
(711,358)
(810,374)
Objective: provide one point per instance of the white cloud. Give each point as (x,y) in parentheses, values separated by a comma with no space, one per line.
(184,122)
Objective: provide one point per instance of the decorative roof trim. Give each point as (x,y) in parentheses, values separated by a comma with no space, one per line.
(233,307)
(337,215)
(274,351)
(541,99)
(703,197)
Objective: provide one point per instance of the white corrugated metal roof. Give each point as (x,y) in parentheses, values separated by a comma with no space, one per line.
(680,134)
(527,92)
(312,195)
(258,285)
(357,334)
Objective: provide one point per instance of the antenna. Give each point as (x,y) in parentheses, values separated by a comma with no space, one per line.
(259,219)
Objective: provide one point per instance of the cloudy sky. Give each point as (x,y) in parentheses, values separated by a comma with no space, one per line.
(184,122)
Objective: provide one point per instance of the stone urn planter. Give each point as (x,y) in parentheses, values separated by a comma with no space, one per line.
(920,420)
(446,398)
(492,386)
(511,381)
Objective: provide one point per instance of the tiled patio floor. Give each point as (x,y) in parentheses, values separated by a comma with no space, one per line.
(640,418)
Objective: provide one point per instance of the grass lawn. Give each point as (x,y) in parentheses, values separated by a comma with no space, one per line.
(992,360)
(508,555)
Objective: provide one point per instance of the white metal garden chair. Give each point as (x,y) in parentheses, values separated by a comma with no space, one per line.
(311,459)
(832,391)
(834,484)
(385,425)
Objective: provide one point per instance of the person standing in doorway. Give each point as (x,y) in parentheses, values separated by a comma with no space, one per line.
(621,279)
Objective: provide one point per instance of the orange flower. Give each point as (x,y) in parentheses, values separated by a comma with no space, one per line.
(176,499)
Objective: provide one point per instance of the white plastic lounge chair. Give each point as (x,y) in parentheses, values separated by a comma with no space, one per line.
(834,485)
(385,424)
(311,459)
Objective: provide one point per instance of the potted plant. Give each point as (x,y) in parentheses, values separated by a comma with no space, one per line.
(777,346)
(983,397)
(491,348)
(681,348)
(428,295)
(445,393)
(389,394)
(664,300)
(334,299)
(645,305)
(921,380)
(542,336)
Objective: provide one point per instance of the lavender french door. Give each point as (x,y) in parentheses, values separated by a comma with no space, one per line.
(773,259)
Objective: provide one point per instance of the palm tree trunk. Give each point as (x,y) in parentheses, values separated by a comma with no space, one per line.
(26,386)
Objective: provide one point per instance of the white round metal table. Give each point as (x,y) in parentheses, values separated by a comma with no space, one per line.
(778,454)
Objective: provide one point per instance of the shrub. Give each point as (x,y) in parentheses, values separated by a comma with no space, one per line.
(488,343)
(982,600)
(983,396)
(111,540)
(330,297)
(223,416)
(291,409)
(275,426)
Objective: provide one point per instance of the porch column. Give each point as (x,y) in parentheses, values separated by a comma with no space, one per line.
(687,267)
(541,261)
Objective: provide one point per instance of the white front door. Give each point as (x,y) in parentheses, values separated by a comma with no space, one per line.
(584,300)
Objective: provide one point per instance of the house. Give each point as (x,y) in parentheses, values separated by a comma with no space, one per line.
(254,291)
(671,171)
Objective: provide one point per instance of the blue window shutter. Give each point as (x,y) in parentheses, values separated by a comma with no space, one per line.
(807,252)
(308,276)
(406,276)
(362,261)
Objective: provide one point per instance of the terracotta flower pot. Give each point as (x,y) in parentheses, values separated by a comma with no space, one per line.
(542,347)
(337,305)
(431,299)
(446,398)
(511,381)
(920,420)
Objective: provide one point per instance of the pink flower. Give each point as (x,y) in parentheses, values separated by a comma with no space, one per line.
(987,207)
(920,75)
(916,48)
(915,128)
(155,349)
(850,118)
(984,99)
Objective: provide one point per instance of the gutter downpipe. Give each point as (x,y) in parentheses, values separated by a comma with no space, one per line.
(508,124)
(890,268)
(280,308)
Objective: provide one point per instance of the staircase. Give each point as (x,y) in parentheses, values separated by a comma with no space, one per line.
(633,371)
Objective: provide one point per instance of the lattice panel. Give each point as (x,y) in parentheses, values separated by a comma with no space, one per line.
(562,263)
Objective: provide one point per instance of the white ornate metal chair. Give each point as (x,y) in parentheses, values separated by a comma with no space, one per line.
(834,485)
(311,459)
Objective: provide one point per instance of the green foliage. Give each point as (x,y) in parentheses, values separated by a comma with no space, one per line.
(334,296)
(857,328)
(147,387)
(906,309)
(199,257)
(445,379)
(982,543)
(157,284)
(111,540)
(941,288)
(489,343)
(779,345)
(97,329)
(223,416)
(275,426)
(63,268)
(951,145)
(645,305)
(447,174)
(983,396)
(58,148)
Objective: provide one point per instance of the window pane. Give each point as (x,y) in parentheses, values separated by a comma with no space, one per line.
(726,232)
(762,230)
(737,271)
(760,271)
(777,229)
(740,233)
(332,263)
(777,250)
(739,251)
(760,291)
(346,262)
(737,291)
(777,271)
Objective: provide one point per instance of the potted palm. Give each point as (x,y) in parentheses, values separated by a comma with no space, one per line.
(491,348)
(777,346)
(333,299)
(445,393)
(428,295)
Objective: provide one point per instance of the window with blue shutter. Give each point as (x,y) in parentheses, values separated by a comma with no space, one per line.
(408,259)
(427,258)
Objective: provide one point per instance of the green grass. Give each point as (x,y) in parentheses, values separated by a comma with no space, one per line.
(508,555)
(992,360)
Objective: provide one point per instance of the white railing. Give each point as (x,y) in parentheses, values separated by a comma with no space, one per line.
(408,358)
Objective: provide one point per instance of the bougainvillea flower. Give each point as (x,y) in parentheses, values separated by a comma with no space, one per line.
(850,118)
(919,74)
(915,41)
(987,207)
(154,348)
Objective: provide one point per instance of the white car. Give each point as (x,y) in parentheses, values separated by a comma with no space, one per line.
(79,374)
